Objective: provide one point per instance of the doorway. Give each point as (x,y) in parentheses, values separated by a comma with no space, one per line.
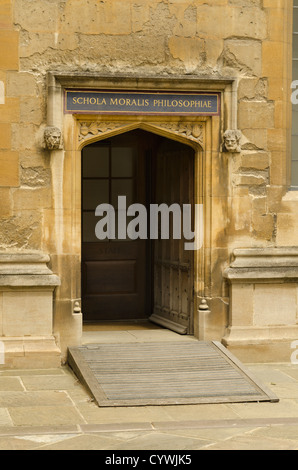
(141,279)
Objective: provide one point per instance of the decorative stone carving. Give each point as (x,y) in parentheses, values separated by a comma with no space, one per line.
(204,312)
(192,131)
(53,138)
(77,309)
(231,141)
(88,129)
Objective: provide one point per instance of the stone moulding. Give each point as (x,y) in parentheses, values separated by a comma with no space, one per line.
(263,264)
(26,269)
(193,131)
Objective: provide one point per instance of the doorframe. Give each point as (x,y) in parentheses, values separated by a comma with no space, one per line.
(66,170)
(196,152)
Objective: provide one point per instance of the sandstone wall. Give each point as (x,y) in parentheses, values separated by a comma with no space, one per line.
(245,40)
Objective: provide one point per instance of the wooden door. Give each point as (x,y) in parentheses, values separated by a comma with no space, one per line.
(114,272)
(173,265)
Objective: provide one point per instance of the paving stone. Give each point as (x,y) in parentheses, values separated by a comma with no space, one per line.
(290,372)
(10,384)
(5,419)
(250,443)
(281,432)
(270,374)
(200,412)
(214,434)
(83,442)
(41,439)
(93,414)
(116,427)
(13,443)
(44,415)
(285,390)
(49,382)
(162,441)
(22,431)
(284,409)
(44,398)
(33,372)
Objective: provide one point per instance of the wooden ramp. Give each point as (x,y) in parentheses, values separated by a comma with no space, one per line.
(164,373)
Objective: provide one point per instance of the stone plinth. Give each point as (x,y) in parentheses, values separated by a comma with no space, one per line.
(263,316)
(26,310)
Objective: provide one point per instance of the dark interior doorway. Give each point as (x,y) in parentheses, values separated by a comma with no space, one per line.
(125,279)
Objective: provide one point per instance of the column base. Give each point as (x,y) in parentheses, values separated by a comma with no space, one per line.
(262,344)
(29,352)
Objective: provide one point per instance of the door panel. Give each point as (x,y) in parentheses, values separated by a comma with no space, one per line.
(173,266)
(113,271)
(104,277)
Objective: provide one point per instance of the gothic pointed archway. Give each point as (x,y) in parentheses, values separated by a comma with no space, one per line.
(124,279)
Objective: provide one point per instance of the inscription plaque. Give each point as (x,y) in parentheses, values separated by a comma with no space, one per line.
(107,102)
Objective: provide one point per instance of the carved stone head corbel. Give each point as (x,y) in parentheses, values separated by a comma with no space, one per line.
(231,141)
(53,138)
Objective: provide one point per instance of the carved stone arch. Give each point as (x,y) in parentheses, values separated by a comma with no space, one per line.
(189,133)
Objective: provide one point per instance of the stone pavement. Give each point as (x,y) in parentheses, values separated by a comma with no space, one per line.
(51,410)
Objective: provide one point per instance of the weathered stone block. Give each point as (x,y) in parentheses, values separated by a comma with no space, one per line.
(287,228)
(272,63)
(244,22)
(275,305)
(188,50)
(252,88)
(6,202)
(244,54)
(23,315)
(255,160)
(187,19)
(21,84)
(249,179)
(21,230)
(5,136)
(32,198)
(5,14)
(36,16)
(10,111)
(31,111)
(263,226)
(9,168)
(9,58)
(255,114)
(35,176)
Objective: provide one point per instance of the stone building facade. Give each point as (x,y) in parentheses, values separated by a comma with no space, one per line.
(244,277)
